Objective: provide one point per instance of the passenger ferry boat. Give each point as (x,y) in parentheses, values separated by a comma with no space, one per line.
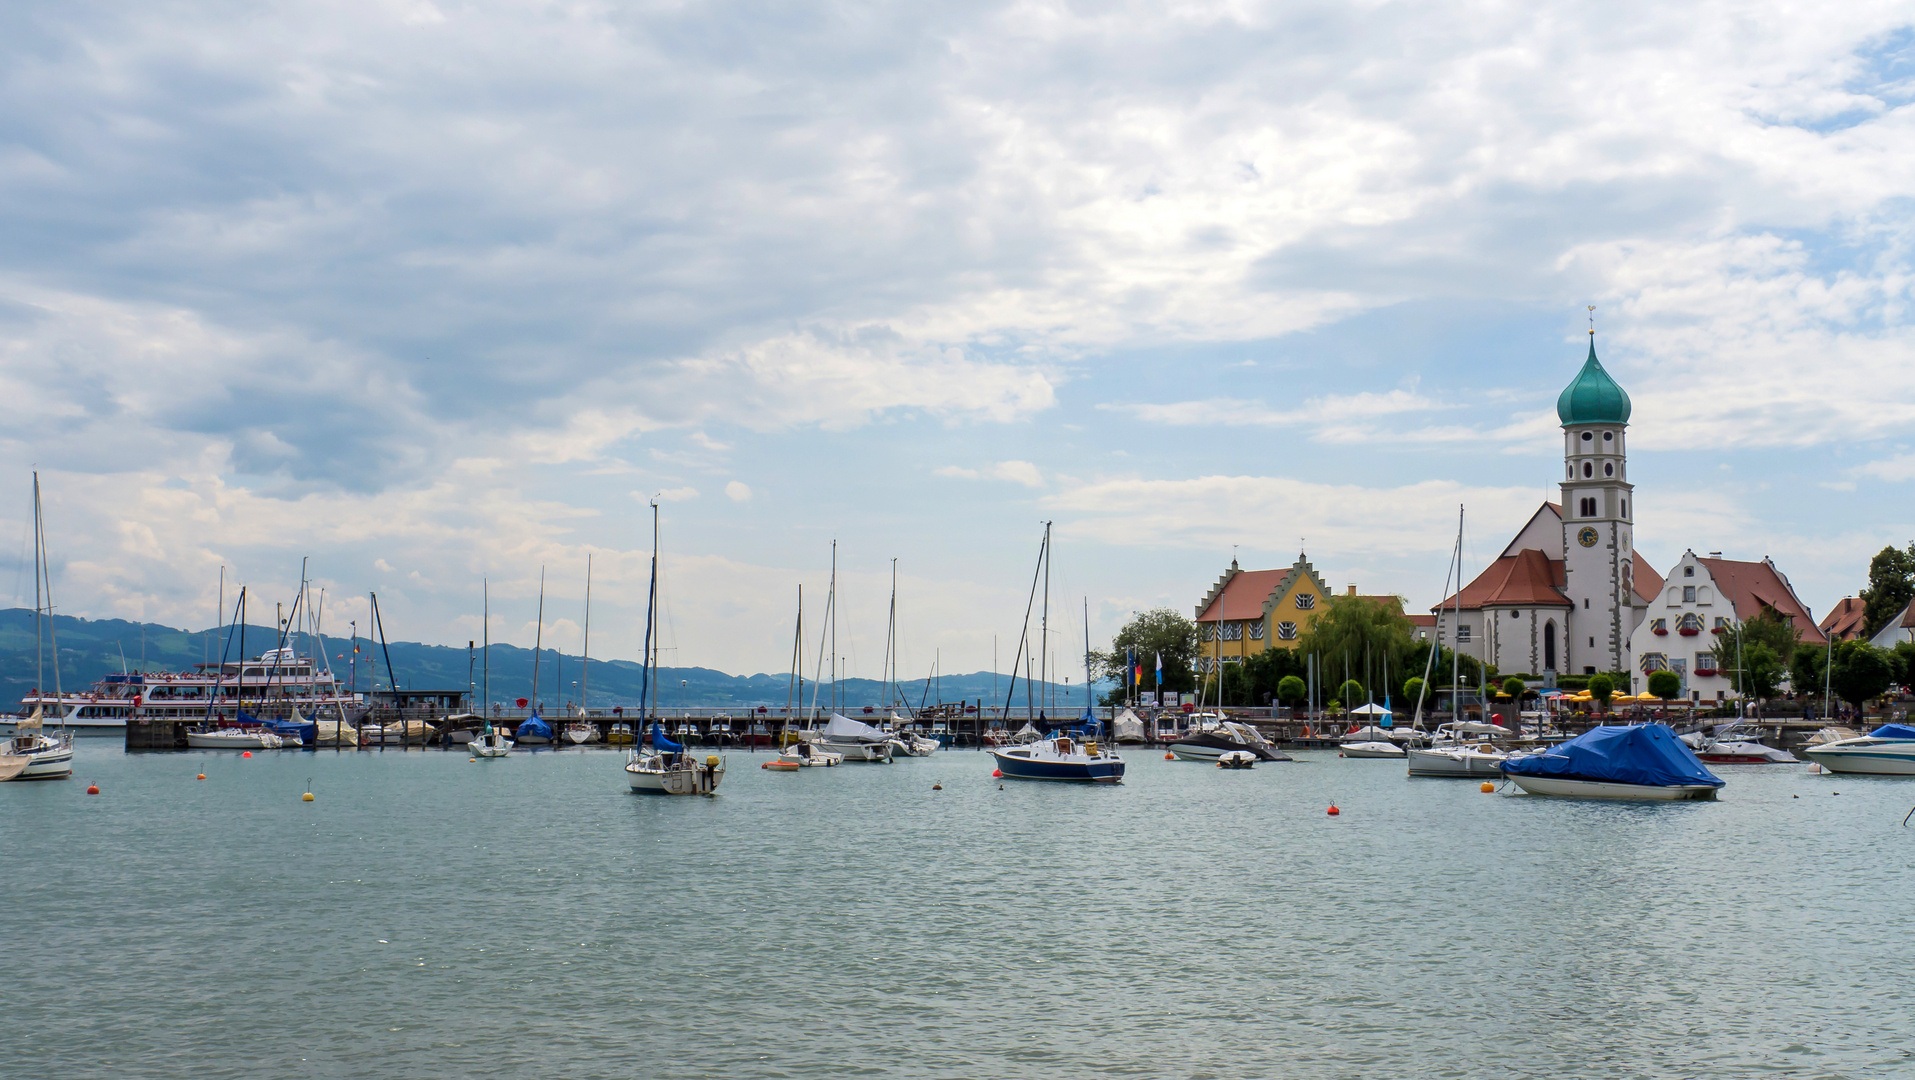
(275,684)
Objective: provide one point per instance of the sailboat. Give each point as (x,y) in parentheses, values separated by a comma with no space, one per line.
(490,742)
(667,769)
(905,742)
(581,729)
(853,740)
(1055,757)
(1462,748)
(32,754)
(533,730)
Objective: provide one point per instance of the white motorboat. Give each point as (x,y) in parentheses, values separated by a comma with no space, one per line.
(855,740)
(673,772)
(1210,740)
(1736,745)
(911,744)
(1370,750)
(32,754)
(490,743)
(811,755)
(1236,759)
(233,739)
(1461,750)
(579,732)
(1889,750)
(1127,728)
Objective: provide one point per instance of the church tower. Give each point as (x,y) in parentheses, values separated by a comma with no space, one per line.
(1598,539)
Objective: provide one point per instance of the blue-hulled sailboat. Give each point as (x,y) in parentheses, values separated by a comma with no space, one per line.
(1061,757)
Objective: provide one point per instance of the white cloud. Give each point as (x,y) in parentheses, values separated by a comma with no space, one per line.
(1356,410)
(1896,469)
(956,472)
(1021,472)
(737,491)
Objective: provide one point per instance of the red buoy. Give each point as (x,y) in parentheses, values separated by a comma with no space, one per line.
(997,774)
(1170,757)
(93,789)
(1334,811)
(246,753)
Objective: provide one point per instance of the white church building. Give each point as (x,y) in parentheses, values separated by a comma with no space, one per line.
(1571,595)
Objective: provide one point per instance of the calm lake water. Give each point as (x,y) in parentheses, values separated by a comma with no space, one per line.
(428,916)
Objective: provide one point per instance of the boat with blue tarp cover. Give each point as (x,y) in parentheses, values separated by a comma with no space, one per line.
(1640,761)
(532,730)
(1889,750)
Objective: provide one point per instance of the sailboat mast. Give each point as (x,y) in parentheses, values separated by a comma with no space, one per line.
(834,626)
(1087,700)
(651,611)
(485,639)
(538,643)
(585,661)
(1044,625)
(890,644)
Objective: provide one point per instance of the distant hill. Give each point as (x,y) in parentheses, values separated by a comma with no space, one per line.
(90,648)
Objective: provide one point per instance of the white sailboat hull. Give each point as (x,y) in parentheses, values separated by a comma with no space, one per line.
(233,740)
(653,776)
(859,751)
(1370,750)
(38,757)
(1456,763)
(1595,789)
(490,745)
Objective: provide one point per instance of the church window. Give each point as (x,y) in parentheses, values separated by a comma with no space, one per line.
(1688,571)
(1256,630)
(1585,603)
(1588,469)
(1549,645)
(1462,635)
(1608,436)
(1609,469)
(1587,437)
(1306,601)
(1286,631)
(1592,642)
(1625,508)
(1513,614)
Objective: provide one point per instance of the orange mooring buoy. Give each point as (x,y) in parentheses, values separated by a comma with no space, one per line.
(1487,786)
(1170,757)
(1333,811)
(997,774)
(246,753)
(202,776)
(93,789)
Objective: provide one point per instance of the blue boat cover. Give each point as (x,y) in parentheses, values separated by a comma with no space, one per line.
(533,726)
(1893,731)
(661,744)
(1648,754)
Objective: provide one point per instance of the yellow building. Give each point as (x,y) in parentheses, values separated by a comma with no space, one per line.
(1248,611)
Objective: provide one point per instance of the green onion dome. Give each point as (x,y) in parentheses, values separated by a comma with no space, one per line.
(1593,397)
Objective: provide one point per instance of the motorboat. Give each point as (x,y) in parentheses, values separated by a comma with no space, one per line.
(810,755)
(579,732)
(32,754)
(233,738)
(1128,728)
(856,740)
(1164,727)
(1217,738)
(1369,749)
(1889,750)
(490,743)
(459,729)
(668,770)
(1639,761)
(1236,759)
(335,733)
(1463,749)
(1832,733)
(1736,744)
(1060,758)
(621,734)
(908,743)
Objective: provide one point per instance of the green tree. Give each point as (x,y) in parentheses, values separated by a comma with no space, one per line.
(1159,632)
(1266,671)
(1760,673)
(1235,686)
(1292,690)
(1666,685)
(1601,687)
(1862,672)
(1351,692)
(1769,627)
(1412,689)
(1904,657)
(1515,688)
(1891,585)
(1806,668)
(1354,632)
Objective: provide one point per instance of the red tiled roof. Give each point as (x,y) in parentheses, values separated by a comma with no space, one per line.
(1751,586)
(1645,573)
(1243,597)
(1422,620)
(1848,620)
(1527,578)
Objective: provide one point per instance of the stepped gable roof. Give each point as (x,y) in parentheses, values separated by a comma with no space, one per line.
(1848,620)
(1648,583)
(1248,594)
(1592,397)
(1525,579)
(1752,586)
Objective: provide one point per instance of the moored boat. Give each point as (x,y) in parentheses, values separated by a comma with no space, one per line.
(532,731)
(1211,741)
(669,770)
(855,740)
(1640,761)
(490,743)
(1370,749)
(1889,750)
(1236,759)
(1060,758)
(1736,745)
(233,738)
(32,754)
(1462,750)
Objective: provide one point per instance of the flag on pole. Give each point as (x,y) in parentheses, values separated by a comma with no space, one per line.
(1136,669)
(1160,671)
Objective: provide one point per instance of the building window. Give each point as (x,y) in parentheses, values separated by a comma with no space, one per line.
(1608,469)
(1721,623)
(1585,603)
(1688,594)
(1608,436)
(1306,601)
(1230,631)
(1513,614)
(1207,632)
(1654,661)
(1688,571)
(1587,437)
(1256,630)
(1462,634)
(1588,469)
(1286,631)
(1625,508)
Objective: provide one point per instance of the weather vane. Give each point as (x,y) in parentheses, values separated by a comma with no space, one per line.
(1592,320)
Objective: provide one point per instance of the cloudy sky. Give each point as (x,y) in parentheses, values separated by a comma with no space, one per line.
(437,293)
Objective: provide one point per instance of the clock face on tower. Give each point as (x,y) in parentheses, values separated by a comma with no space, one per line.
(1587,537)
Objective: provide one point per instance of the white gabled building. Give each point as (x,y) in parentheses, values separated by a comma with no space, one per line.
(1897,630)
(1701,597)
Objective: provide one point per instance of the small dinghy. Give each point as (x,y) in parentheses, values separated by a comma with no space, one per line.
(1642,761)
(782,764)
(490,743)
(1236,759)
